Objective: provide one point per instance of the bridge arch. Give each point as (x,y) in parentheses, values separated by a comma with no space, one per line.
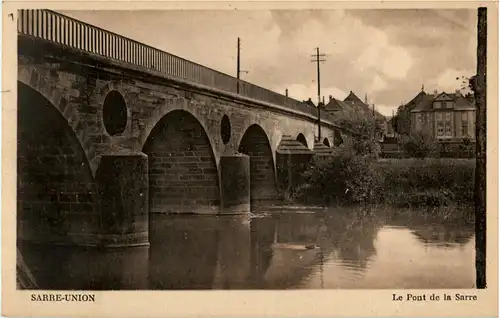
(255,143)
(32,79)
(326,142)
(56,193)
(302,139)
(183,174)
(161,111)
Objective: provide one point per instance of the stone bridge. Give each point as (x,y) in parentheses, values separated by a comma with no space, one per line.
(110,130)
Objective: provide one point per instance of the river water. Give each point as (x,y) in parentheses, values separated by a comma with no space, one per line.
(276,248)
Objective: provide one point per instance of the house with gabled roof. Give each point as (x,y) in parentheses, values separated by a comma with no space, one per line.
(446,116)
(402,121)
(334,105)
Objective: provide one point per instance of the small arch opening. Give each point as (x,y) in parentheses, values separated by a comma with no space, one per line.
(114,113)
(225,129)
(302,139)
(338,140)
(326,142)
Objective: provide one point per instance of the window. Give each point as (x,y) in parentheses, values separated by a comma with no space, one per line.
(440,128)
(449,104)
(447,124)
(437,105)
(465,124)
(421,118)
(447,129)
(444,124)
(465,128)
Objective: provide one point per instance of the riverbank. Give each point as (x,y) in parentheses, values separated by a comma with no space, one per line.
(426,182)
(404,183)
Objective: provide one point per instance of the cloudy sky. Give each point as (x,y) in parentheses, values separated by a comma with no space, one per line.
(386,54)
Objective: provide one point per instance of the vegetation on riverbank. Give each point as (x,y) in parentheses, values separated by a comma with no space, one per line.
(356,175)
(405,183)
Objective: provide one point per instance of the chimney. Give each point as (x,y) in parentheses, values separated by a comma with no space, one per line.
(457,93)
(323,100)
(331,97)
(286,92)
(435,93)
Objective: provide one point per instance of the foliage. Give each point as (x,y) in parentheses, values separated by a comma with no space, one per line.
(364,130)
(419,144)
(345,177)
(402,120)
(469,84)
(431,181)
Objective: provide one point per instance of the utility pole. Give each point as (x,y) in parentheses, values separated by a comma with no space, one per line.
(374,121)
(480,177)
(238,70)
(317,61)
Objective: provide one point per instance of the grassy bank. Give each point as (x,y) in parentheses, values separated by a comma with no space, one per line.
(405,183)
(426,182)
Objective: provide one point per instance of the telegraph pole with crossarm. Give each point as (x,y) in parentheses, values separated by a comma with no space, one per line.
(238,71)
(317,60)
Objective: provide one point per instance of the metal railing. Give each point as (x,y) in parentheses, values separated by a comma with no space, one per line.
(58,28)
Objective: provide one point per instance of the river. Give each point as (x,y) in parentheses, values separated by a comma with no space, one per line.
(274,248)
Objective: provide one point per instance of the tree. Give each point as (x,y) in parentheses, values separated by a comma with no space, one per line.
(419,144)
(469,85)
(365,130)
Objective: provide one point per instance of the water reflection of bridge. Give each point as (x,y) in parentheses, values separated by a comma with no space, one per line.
(204,252)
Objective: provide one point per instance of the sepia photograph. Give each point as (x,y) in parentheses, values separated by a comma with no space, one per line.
(257,149)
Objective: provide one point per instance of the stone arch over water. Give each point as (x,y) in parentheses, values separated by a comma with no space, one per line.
(255,144)
(57,199)
(183,174)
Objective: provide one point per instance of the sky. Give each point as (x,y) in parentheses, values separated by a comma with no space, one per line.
(386,54)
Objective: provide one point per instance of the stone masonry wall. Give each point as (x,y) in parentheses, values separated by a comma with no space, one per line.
(77,85)
(182,171)
(56,195)
(262,177)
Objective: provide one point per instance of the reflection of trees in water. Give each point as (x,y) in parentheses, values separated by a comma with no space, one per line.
(281,243)
(351,234)
(443,226)
(447,235)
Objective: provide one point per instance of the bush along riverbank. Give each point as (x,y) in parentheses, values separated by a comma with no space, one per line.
(352,176)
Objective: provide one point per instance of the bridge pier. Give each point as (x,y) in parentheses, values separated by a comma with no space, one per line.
(235,183)
(123,186)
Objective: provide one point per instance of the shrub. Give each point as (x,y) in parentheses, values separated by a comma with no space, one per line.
(350,178)
(419,144)
(364,128)
(345,177)
(409,181)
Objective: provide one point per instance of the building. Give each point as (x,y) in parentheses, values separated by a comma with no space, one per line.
(402,120)
(446,116)
(334,105)
(389,127)
(355,104)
